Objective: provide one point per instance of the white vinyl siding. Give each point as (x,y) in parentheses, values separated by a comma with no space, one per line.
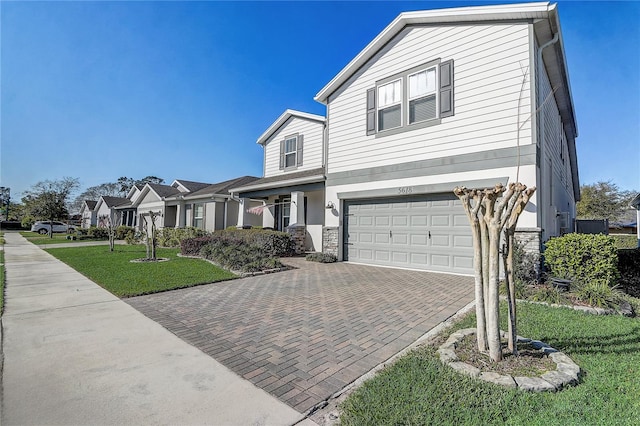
(311,151)
(489,62)
(557,185)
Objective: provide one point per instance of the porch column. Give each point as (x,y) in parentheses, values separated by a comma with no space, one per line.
(297,209)
(243,215)
(181,216)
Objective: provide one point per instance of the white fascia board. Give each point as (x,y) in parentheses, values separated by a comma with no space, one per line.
(283,118)
(277,184)
(506,12)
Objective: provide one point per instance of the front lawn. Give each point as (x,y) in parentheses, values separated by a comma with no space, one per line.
(114,272)
(58,238)
(419,390)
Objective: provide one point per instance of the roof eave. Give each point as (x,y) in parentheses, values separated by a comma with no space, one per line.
(278,184)
(439,16)
(283,118)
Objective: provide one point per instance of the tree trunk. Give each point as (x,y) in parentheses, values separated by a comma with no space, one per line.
(493,312)
(481,322)
(507,257)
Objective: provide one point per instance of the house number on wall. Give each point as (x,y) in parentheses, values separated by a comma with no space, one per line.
(404,190)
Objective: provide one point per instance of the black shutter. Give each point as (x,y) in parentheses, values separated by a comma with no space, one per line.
(281,155)
(299,151)
(446,88)
(371,111)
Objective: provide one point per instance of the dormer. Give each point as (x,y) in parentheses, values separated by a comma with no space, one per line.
(293,143)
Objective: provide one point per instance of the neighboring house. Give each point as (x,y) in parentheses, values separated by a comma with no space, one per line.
(469,96)
(185,203)
(88,214)
(291,190)
(115,210)
(635,203)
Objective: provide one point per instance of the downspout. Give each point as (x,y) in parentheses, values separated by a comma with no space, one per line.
(542,126)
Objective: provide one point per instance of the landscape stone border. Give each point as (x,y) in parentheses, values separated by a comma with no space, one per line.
(567,372)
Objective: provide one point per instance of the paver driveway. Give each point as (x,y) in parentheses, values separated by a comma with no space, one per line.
(304,334)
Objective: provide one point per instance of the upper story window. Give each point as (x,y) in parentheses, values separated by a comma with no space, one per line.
(390,105)
(418,97)
(291,152)
(422,96)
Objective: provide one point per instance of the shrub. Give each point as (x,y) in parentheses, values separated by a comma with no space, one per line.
(123,231)
(193,246)
(583,258)
(94,232)
(273,243)
(238,256)
(549,294)
(321,257)
(525,265)
(599,294)
(171,237)
(629,269)
(625,241)
(28,221)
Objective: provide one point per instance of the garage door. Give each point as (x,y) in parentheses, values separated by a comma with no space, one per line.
(428,232)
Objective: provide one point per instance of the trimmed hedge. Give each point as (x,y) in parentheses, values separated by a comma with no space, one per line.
(584,258)
(272,243)
(629,268)
(625,241)
(237,255)
(172,237)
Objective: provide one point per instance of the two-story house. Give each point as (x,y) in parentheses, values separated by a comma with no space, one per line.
(291,191)
(470,96)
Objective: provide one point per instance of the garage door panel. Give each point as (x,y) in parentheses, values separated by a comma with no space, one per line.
(426,232)
(440,220)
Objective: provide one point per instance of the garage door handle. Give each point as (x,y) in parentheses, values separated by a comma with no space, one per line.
(390,234)
(429,234)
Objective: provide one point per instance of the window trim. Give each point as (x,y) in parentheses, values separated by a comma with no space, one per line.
(401,102)
(194,218)
(404,76)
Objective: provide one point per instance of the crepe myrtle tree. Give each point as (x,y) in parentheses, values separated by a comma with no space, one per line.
(110,221)
(492,212)
(150,233)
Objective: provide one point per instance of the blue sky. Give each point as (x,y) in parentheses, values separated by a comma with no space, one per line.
(99,90)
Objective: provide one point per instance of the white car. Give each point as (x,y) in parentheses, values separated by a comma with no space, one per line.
(43,227)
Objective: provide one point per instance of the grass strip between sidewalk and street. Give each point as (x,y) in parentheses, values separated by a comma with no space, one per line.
(114,271)
(419,390)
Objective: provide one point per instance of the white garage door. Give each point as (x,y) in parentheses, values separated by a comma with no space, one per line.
(429,232)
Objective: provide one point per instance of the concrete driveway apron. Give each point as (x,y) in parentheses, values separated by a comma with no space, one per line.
(304,334)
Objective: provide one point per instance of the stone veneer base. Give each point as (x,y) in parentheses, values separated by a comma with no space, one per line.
(567,372)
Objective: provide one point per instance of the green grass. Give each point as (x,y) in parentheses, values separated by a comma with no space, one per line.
(58,238)
(114,272)
(419,390)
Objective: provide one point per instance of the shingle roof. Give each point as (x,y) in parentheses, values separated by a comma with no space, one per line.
(91,204)
(282,178)
(115,201)
(191,185)
(164,190)
(223,187)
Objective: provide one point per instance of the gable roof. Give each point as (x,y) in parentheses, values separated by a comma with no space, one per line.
(283,119)
(114,201)
(190,186)
(91,204)
(543,11)
(163,191)
(220,188)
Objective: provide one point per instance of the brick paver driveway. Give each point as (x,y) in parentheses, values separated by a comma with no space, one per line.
(304,334)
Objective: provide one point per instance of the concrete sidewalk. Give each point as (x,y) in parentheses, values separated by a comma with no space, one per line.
(75,354)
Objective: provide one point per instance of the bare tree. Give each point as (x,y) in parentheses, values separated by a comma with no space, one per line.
(489,212)
(110,222)
(150,232)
